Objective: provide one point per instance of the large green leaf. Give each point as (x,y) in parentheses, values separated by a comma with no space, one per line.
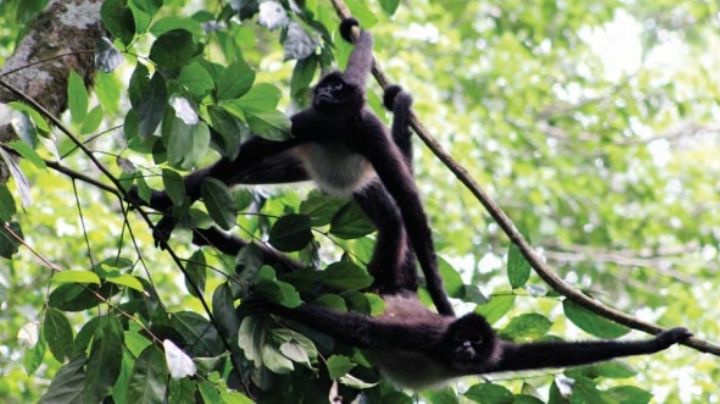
(148,382)
(528,325)
(291,233)
(118,19)
(518,269)
(67,385)
(592,323)
(58,334)
(196,270)
(77,97)
(235,80)
(105,359)
(350,222)
(219,202)
(174,49)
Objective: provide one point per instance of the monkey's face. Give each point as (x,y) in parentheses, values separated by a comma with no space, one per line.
(333,95)
(471,341)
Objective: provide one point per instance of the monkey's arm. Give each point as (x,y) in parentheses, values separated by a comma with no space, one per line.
(561,354)
(388,162)
(231,245)
(360,330)
(399,101)
(361,58)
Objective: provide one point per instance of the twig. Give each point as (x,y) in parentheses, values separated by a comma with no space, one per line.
(543,270)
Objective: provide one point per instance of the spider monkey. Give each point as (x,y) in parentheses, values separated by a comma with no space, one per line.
(346,150)
(417,348)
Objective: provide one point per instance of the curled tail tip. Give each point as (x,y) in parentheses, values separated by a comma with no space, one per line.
(346,26)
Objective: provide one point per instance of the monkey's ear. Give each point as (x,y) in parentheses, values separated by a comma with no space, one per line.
(346,27)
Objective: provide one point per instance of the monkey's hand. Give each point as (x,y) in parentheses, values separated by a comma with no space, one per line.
(394,94)
(346,27)
(672,336)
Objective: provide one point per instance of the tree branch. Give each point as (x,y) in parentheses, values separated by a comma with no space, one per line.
(543,270)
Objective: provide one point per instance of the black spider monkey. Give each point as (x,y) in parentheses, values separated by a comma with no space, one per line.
(345,149)
(417,348)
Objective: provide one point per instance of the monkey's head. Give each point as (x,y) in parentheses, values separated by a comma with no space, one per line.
(334,95)
(470,341)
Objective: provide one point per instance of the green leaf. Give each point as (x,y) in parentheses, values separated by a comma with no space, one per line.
(186,144)
(338,366)
(7,204)
(489,393)
(28,153)
(92,120)
(219,203)
(611,369)
(85,335)
(224,311)
(174,49)
(360,10)
(496,308)
(251,338)
(77,97)
(262,97)
(172,22)
(295,352)
(68,383)
(235,80)
(196,270)
(451,278)
(149,7)
(152,106)
(76,277)
(103,366)
(275,361)
(592,323)
(333,302)
(58,334)
(229,132)
(527,326)
(128,280)
(628,395)
(301,79)
(9,244)
(345,275)
(174,186)
(271,125)
(291,233)
(350,222)
(118,19)
(148,382)
(33,358)
(321,208)
(389,6)
(196,79)
(518,269)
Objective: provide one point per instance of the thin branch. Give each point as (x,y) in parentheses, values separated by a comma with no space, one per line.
(543,270)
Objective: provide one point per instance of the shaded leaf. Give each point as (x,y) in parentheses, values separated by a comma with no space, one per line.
(58,334)
(148,381)
(291,233)
(219,203)
(591,322)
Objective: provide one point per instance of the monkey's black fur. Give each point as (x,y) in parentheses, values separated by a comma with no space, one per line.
(418,348)
(346,150)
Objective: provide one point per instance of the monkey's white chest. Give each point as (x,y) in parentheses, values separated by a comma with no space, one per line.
(335,168)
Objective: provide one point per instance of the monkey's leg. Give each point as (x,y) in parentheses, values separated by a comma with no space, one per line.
(390,252)
(561,354)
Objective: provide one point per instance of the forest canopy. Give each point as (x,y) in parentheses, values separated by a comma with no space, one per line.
(565,154)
